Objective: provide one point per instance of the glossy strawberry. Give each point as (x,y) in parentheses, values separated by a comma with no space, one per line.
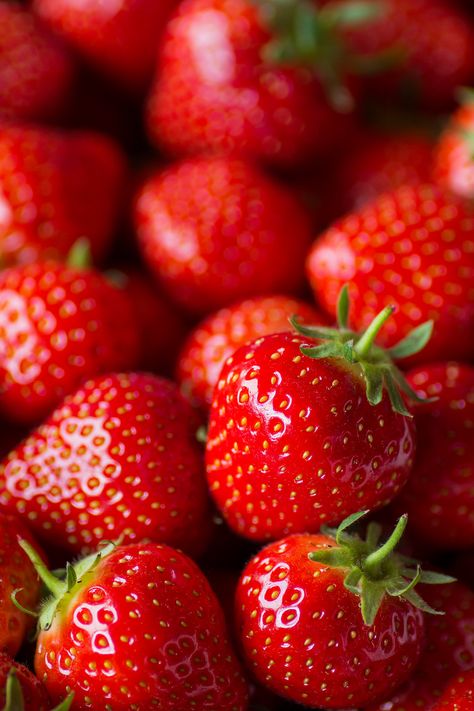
(36,72)
(302,434)
(215,339)
(120,39)
(57,187)
(199,219)
(136,627)
(439,496)
(459,694)
(298,609)
(118,458)
(17,681)
(454,156)
(413,248)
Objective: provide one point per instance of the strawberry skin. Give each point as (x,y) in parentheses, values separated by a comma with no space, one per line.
(35,697)
(413,248)
(57,187)
(143,629)
(198,219)
(293,442)
(454,160)
(215,339)
(303,634)
(58,326)
(118,457)
(459,695)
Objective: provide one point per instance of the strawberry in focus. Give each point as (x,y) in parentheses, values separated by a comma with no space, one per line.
(454,155)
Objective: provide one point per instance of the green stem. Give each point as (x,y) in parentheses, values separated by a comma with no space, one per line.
(365,343)
(373,561)
(55,586)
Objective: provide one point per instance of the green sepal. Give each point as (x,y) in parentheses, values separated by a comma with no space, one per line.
(201,434)
(66,704)
(416,340)
(371,597)
(333,557)
(418,602)
(352,580)
(71,577)
(326,350)
(373,383)
(400,587)
(13,693)
(317,332)
(353,14)
(429,577)
(79,256)
(19,606)
(343,305)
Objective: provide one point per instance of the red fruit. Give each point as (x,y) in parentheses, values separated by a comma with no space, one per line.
(199,219)
(57,187)
(141,629)
(36,72)
(217,337)
(297,437)
(58,326)
(413,248)
(16,572)
(120,38)
(459,694)
(33,693)
(454,156)
(439,496)
(298,608)
(117,458)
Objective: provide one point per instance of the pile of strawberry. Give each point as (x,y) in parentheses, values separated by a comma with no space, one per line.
(236,355)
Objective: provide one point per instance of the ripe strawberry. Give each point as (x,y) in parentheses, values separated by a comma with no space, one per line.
(298,608)
(439,496)
(413,248)
(120,39)
(36,72)
(459,694)
(118,457)
(19,688)
(136,627)
(215,339)
(199,219)
(454,156)
(303,434)
(58,326)
(57,187)
(16,572)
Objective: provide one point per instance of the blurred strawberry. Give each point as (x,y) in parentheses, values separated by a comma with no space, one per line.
(459,694)
(454,156)
(31,694)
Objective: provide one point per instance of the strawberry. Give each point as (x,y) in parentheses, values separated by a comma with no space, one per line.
(413,248)
(118,457)
(119,39)
(58,326)
(454,156)
(16,572)
(19,688)
(56,187)
(298,609)
(439,496)
(215,339)
(459,694)
(36,72)
(200,218)
(302,434)
(136,627)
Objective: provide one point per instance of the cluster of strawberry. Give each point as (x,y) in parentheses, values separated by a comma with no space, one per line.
(236,310)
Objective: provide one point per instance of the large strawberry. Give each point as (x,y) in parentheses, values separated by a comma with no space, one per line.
(215,230)
(298,609)
(459,694)
(118,457)
(136,627)
(35,70)
(454,156)
(57,187)
(302,434)
(215,339)
(413,248)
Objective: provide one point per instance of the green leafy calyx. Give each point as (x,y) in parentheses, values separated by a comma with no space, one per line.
(373,570)
(14,700)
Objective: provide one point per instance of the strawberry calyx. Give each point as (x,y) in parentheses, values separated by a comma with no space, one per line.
(372,571)
(376,364)
(14,700)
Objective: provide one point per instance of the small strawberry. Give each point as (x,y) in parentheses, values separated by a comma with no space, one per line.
(57,187)
(413,248)
(459,694)
(454,155)
(215,339)
(118,457)
(136,627)
(302,434)
(36,72)
(20,689)
(199,219)
(298,609)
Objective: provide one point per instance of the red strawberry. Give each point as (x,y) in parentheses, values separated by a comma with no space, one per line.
(298,608)
(454,157)
(217,337)
(136,627)
(413,248)
(15,572)
(35,70)
(58,326)
(303,434)
(118,457)
(120,38)
(57,187)
(459,694)
(439,496)
(199,219)
(18,683)
(448,650)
